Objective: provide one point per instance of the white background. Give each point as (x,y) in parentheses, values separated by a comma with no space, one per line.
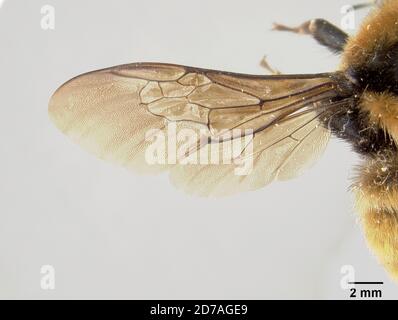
(110,233)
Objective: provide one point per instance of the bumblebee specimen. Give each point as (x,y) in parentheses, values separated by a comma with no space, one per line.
(281,122)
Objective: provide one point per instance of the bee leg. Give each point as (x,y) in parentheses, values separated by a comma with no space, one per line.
(322,31)
(377,3)
(264,63)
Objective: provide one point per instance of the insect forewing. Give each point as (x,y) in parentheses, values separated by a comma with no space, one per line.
(216,132)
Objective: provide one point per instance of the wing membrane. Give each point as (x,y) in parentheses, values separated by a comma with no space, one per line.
(202,125)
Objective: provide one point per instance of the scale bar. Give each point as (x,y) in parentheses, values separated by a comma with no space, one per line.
(362,282)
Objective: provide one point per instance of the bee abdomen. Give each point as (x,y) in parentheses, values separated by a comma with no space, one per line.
(381,232)
(376,191)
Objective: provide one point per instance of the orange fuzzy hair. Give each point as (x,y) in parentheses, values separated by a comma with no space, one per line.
(379,29)
(376,191)
(382,109)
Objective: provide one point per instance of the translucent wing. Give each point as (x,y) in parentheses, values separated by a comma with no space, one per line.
(216,132)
